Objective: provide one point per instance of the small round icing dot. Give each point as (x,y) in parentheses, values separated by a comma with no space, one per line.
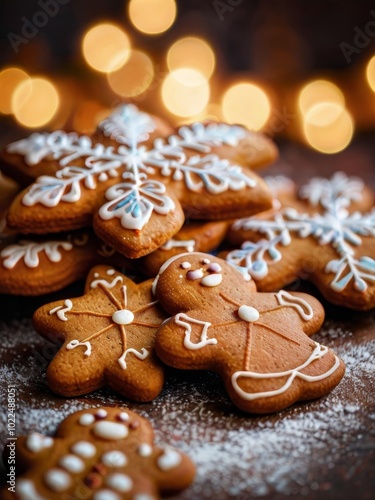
(71,463)
(119,482)
(96,275)
(106,495)
(212,280)
(123,416)
(194,275)
(248,313)
(86,419)
(37,442)
(123,317)
(110,430)
(214,268)
(144,450)
(169,459)
(114,459)
(101,413)
(206,261)
(83,449)
(186,265)
(111,272)
(57,480)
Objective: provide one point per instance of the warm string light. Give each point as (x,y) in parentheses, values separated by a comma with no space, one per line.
(134,77)
(9,79)
(319,91)
(192,52)
(152,17)
(370,73)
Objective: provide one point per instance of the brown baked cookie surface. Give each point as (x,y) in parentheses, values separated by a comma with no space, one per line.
(108,338)
(257,342)
(100,454)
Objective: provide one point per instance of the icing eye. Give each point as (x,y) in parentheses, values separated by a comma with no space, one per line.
(186,265)
(194,275)
(212,280)
(214,268)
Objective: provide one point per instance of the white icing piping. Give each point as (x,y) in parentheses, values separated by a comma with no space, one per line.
(302,306)
(182,319)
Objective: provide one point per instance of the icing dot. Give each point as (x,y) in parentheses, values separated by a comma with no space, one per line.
(144,450)
(123,416)
(84,449)
(103,176)
(186,265)
(169,459)
(106,495)
(37,442)
(248,313)
(101,413)
(123,317)
(214,268)
(57,480)
(206,261)
(86,419)
(26,490)
(111,272)
(114,459)
(119,482)
(212,280)
(72,463)
(110,430)
(96,275)
(194,275)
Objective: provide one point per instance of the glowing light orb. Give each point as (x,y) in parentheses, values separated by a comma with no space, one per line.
(370,73)
(152,16)
(134,77)
(319,91)
(9,79)
(192,52)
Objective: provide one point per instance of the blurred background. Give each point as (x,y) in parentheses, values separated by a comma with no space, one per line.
(301,71)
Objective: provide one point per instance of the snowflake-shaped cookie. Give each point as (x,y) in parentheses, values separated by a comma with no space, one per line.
(98,454)
(326,237)
(137,182)
(109,336)
(257,342)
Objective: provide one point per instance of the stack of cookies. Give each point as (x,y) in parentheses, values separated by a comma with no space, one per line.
(140,199)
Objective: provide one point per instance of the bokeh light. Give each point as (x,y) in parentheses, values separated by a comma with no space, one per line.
(192,52)
(35,102)
(319,91)
(185,92)
(370,73)
(9,79)
(152,16)
(106,47)
(328,127)
(134,77)
(246,104)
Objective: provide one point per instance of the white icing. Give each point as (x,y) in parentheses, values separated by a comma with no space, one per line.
(36,442)
(172,243)
(144,450)
(248,313)
(105,283)
(106,495)
(318,352)
(195,275)
(110,272)
(110,430)
(123,416)
(28,252)
(101,413)
(84,449)
(25,490)
(206,261)
(114,459)
(186,265)
(57,480)
(61,310)
(86,419)
(212,280)
(214,268)
(119,482)
(169,459)
(123,317)
(75,343)
(72,463)
(302,306)
(185,321)
(140,355)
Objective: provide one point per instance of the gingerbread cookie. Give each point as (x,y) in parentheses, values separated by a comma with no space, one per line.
(257,342)
(192,237)
(326,236)
(109,336)
(99,454)
(44,264)
(135,183)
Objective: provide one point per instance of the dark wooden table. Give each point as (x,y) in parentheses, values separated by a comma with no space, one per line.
(321,449)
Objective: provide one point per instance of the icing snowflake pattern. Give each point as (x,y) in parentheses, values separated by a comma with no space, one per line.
(335,227)
(135,198)
(28,252)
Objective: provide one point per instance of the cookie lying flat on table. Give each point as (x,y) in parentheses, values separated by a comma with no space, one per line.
(43,264)
(135,184)
(327,237)
(108,336)
(257,342)
(99,454)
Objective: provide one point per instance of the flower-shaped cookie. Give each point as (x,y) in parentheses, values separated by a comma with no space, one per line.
(98,454)
(327,237)
(109,336)
(257,342)
(135,183)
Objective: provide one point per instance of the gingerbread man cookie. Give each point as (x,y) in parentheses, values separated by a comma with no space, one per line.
(109,336)
(257,342)
(327,236)
(135,184)
(98,454)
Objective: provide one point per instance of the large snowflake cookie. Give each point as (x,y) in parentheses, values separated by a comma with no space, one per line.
(135,183)
(326,235)
(98,454)
(108,336)
(257,342)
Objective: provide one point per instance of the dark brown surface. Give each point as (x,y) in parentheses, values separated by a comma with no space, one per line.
(321,449)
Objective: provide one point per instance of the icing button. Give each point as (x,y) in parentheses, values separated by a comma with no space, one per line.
(123,317)
(86,419)
(110,430)
(100,414)
(248,313)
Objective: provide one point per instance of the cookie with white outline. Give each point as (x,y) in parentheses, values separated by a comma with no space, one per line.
(99,454)
(258,342)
